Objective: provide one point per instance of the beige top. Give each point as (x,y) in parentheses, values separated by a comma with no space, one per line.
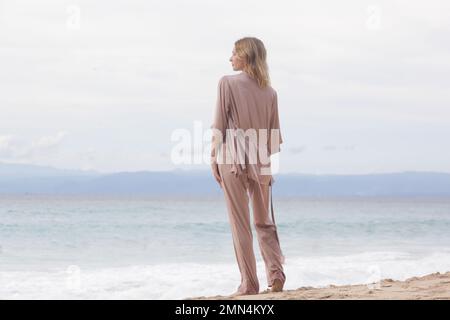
(242,104)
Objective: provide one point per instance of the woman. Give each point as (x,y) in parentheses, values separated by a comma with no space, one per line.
(247,107)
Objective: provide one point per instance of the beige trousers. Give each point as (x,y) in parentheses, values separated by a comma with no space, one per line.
(238,190)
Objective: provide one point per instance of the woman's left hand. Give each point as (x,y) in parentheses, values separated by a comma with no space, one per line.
(215,171)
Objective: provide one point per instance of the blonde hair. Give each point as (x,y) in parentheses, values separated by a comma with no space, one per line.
(253,52)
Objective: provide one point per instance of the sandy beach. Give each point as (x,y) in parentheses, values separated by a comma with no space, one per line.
(435,286)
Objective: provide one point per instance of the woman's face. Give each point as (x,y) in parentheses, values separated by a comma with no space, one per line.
(236,62)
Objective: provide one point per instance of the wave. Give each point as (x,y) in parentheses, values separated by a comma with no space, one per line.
(182,280)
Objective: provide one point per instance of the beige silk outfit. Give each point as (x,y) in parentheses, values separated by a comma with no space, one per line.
(242,104)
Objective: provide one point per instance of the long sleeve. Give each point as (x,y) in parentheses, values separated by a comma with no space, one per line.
(221,112)
(274,124)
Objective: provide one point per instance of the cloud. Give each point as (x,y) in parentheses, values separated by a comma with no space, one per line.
(13,148)
(6,142)
(148,67)
(337,148)
(87,159)
(296,150)
(48,142)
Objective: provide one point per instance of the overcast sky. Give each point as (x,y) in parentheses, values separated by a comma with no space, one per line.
(362,85)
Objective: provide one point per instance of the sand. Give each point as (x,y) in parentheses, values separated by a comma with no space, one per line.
(435,286)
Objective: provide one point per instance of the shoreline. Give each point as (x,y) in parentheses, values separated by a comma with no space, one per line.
(433,286)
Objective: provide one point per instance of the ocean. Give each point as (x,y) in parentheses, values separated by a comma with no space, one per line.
(83,247)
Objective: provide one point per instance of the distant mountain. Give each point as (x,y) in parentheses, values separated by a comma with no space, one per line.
(20,179)
(408,183)
(15,170)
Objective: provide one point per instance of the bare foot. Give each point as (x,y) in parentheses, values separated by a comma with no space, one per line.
(277,285)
